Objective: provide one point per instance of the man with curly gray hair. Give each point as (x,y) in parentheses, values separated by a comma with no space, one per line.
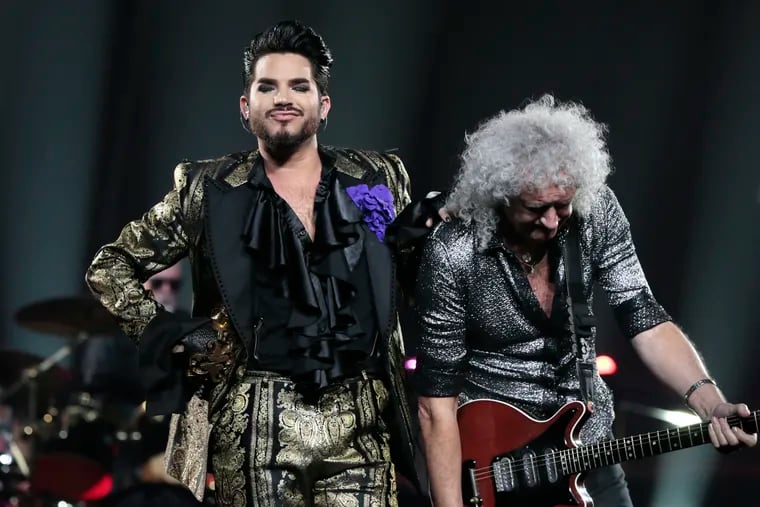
(492,294)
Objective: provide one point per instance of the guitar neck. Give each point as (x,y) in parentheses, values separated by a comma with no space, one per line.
(644,445)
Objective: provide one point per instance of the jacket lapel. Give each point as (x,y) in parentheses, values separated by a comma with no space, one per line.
(226,212)
(380,264)
(382,277)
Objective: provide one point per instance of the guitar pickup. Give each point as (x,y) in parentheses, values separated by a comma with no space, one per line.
(552,465)
(529,469)
(503,474)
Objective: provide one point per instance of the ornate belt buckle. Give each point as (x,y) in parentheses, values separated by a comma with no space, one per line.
(218,359)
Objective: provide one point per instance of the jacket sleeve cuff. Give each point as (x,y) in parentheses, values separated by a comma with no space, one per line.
(162,373)
(409,228)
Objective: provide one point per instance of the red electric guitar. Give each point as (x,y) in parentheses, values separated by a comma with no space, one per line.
(511,459)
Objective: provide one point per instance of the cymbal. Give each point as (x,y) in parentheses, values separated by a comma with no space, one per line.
(67,316)
(13,364)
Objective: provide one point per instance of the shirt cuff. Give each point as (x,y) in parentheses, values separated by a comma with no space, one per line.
(639,313)
(435,383)
(162,376)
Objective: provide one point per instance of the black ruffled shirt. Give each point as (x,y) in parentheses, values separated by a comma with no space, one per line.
(313,295)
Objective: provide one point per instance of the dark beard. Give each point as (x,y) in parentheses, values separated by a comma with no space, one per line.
(282,144)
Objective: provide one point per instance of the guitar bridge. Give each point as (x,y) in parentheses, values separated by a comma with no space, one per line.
(471,497)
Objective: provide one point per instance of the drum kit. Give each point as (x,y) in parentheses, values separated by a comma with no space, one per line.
(74,435)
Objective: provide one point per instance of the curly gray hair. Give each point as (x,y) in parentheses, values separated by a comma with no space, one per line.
(546,143)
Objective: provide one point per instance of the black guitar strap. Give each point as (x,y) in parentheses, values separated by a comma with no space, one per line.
(582,321)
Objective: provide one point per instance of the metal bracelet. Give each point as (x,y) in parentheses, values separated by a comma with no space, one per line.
(696,385)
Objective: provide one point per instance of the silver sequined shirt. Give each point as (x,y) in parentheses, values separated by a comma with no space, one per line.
(484,334)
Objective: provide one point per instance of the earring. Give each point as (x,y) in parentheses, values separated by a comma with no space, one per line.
(244,123)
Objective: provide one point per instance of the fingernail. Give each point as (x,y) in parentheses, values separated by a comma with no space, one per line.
(447,219)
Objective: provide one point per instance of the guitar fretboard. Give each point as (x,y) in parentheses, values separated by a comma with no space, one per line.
(644,445)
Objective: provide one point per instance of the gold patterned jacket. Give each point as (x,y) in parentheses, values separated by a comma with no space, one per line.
(209,199)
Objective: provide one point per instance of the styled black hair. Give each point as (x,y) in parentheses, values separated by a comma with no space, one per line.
(289,37)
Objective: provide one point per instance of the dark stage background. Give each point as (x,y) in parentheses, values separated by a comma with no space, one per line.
(100,100)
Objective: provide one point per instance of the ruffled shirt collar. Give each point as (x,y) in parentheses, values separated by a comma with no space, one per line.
(314,276)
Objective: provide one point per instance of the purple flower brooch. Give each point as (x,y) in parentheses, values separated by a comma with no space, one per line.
(377,205)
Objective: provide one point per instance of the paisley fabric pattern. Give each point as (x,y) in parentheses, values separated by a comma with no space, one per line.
(295,453)
(175,228)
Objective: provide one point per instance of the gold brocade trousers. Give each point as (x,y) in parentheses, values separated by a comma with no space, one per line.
(274,447)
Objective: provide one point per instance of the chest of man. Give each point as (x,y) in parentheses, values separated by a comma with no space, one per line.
(299,196)
(508,307)
(542,286)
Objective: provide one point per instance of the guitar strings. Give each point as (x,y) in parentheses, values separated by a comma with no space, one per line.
(616,445)
(552,458)
(555,456)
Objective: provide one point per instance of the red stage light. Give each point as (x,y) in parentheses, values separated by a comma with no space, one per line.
(411,363)
(99,490)
(606,365)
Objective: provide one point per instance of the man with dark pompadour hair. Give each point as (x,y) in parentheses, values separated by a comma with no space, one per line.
(286,382)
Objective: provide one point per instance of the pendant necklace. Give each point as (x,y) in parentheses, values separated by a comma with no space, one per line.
(525,259)
(527,262)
